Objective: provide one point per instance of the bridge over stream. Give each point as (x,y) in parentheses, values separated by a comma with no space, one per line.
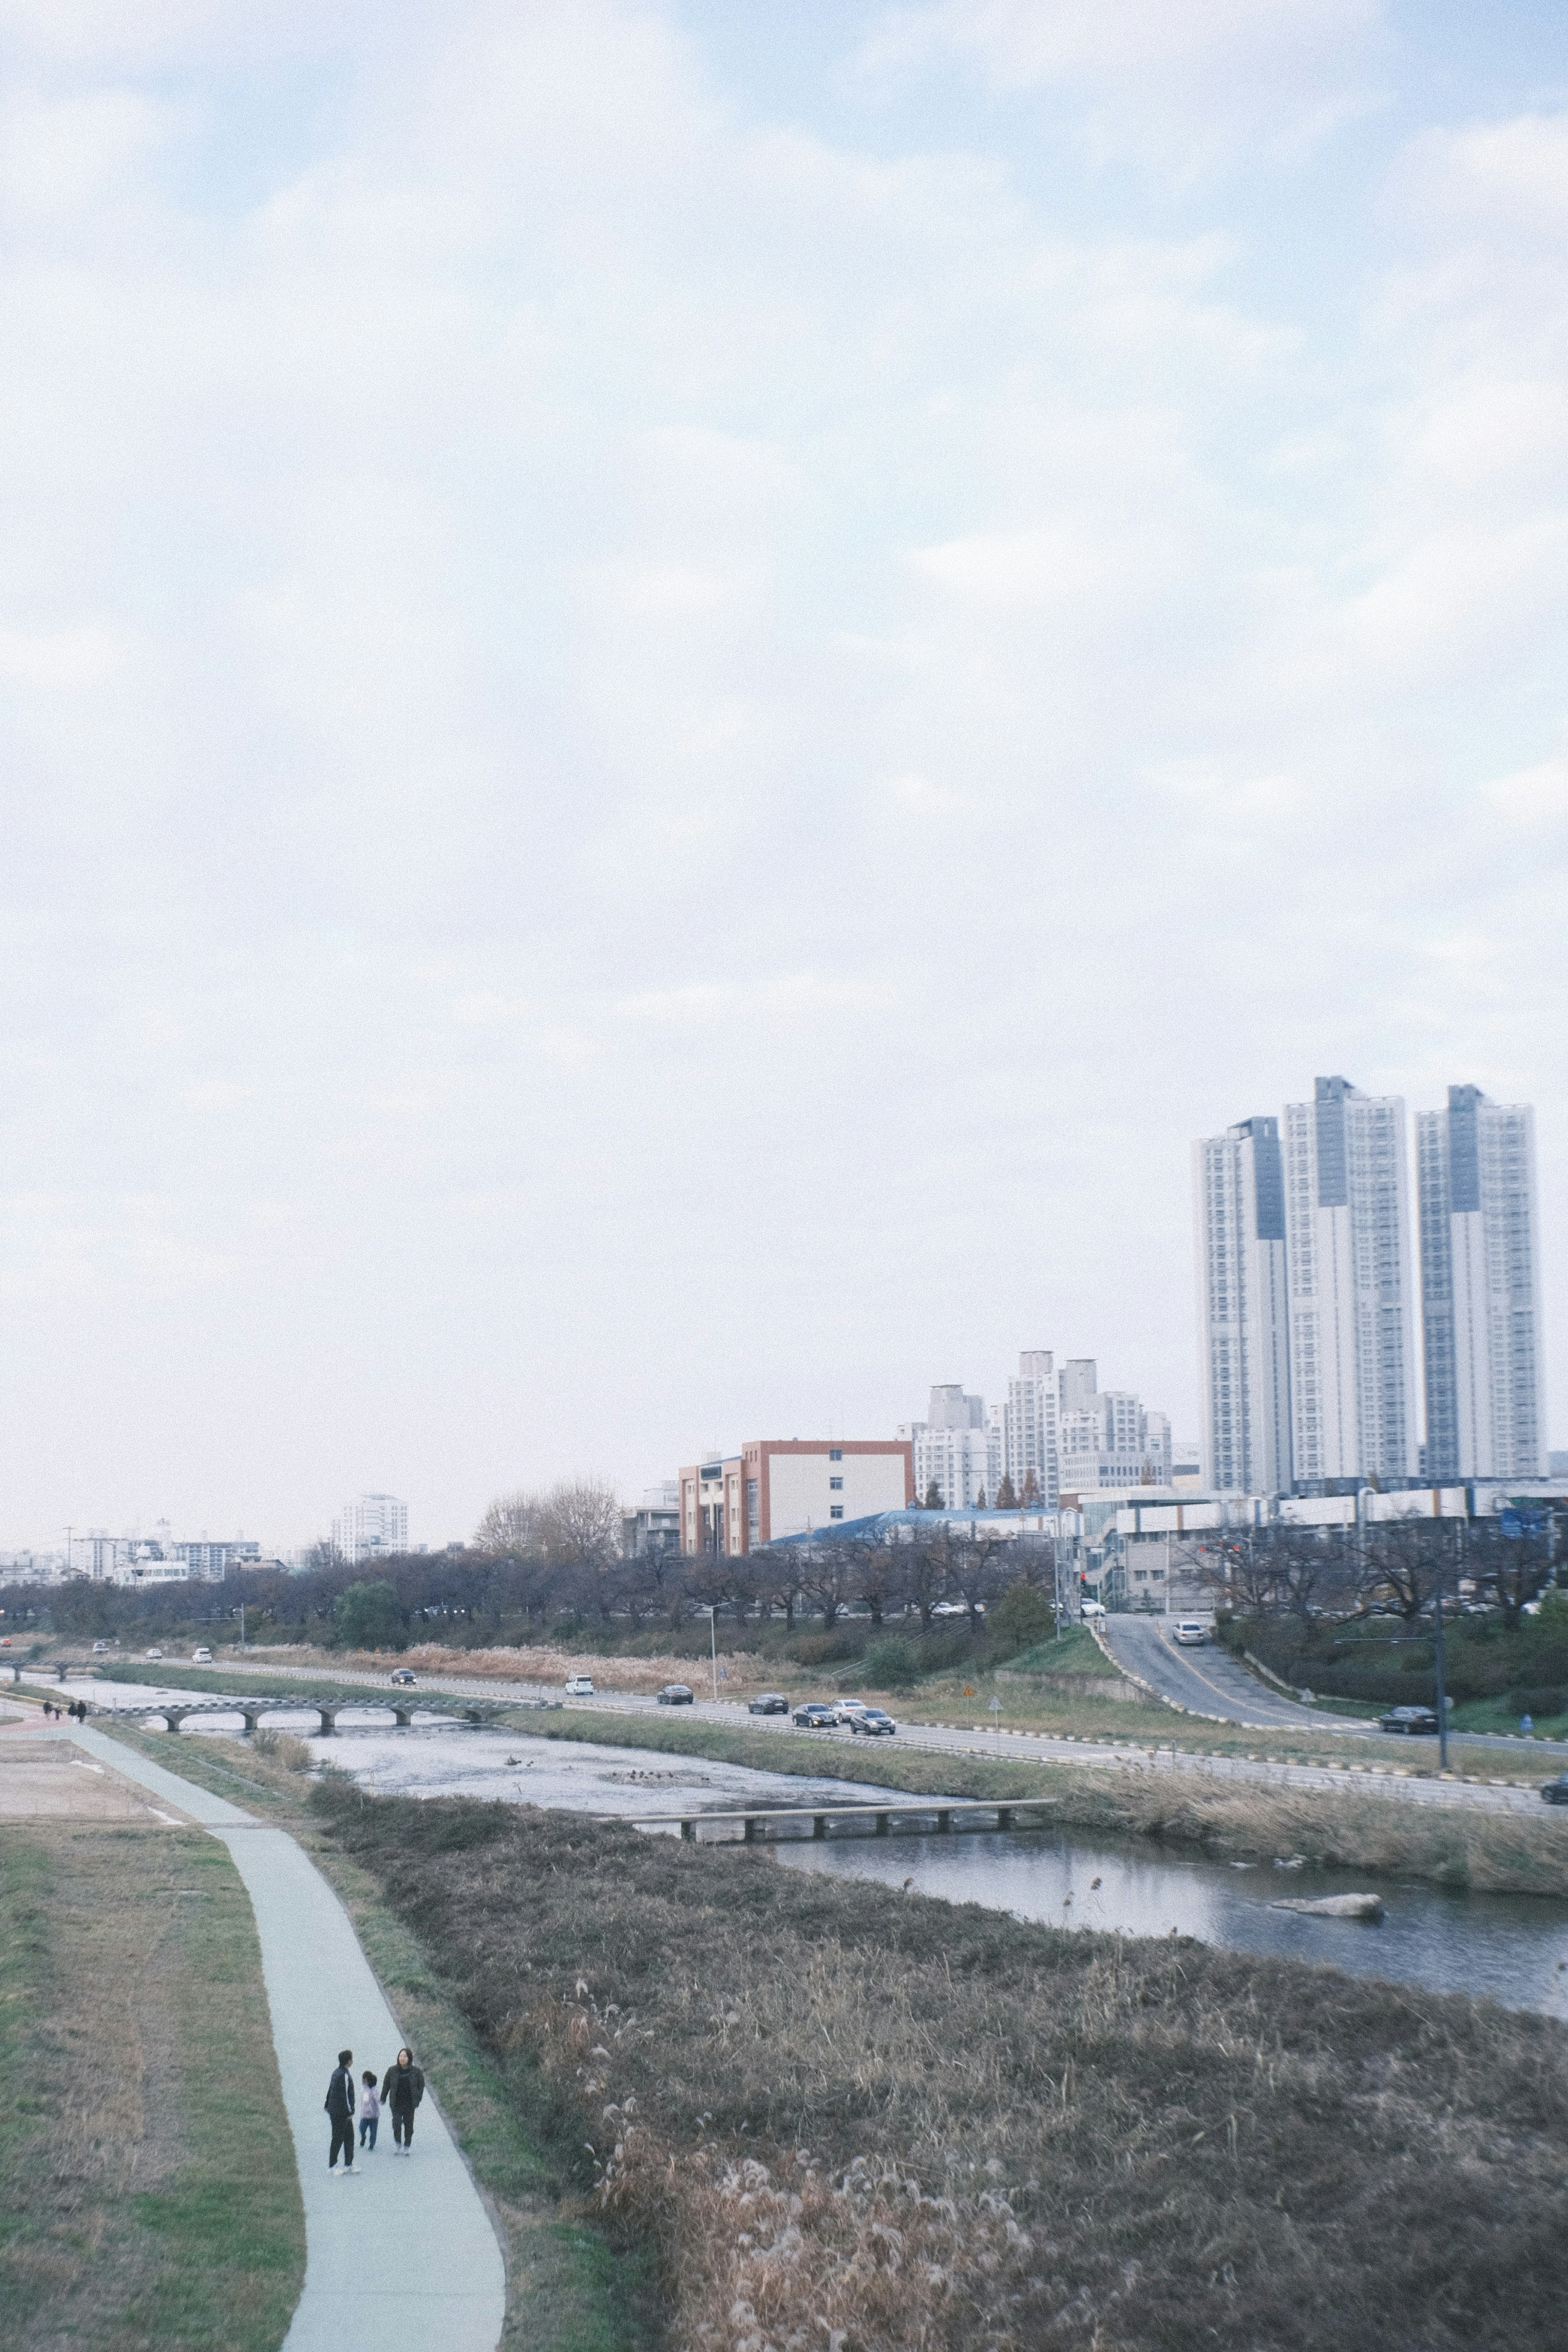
(171,1713)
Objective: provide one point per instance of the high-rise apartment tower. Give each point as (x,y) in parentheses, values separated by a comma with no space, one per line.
(1480,1289)
(1352,1341)
(1243,1308)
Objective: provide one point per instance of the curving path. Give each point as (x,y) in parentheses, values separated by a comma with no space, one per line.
(403,2257)
(1207,1681)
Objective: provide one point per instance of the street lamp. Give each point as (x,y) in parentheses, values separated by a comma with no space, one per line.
(712,1608)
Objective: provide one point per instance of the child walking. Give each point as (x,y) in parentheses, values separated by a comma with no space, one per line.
(370,2108)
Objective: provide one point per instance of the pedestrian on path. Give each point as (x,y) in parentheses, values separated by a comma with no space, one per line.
(339,2105)
(402,2088)
(370,2109)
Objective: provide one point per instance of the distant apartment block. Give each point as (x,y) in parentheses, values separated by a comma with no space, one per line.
(1031,1451)
(1480,1289)
(1243,1306)
(372,1526)
(1352,1338)
(778,1486)
(1059,1432)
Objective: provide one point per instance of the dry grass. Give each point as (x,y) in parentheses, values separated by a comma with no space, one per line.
(743,1671)
(282,1748)
(888,2125)
(148,2194)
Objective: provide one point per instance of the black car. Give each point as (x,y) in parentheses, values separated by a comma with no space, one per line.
(815,1716)
(1409,1719)
(1555,1791)
(874,1721)
(675,1695)
(767,1703)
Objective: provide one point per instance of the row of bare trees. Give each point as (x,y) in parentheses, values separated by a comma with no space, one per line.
(1396,1568)
(562,1550)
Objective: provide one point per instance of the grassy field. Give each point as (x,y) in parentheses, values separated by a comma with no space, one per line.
(1497,1854)
(905,2125)
(567,2289)
(149,2201)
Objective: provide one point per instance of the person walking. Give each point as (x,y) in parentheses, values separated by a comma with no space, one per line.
(339,2105)
(370,2109)
(402,2088)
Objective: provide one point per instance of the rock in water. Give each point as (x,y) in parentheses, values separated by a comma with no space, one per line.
(1336,1906)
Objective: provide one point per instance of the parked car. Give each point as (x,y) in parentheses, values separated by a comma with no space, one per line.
(874,1721)
(846,1709)
(1409,1719)
(1094,1609)
(1191,1632)
(1556,1791)
(816,1715)
(675,1695)
(767,1703)
(403,1679)
(153,1653)
(958,1609)
(201,1657)
(100,1649)
(579,1686)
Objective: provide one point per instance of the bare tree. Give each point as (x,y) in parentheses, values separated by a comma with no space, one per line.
(511,1527)
(1402,1565)
(1514,1566)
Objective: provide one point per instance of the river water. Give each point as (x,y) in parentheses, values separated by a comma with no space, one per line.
(1512,1949)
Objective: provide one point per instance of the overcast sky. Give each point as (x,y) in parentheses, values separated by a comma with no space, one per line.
(682,686)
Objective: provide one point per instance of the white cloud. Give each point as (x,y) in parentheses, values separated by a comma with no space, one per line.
(1531,798)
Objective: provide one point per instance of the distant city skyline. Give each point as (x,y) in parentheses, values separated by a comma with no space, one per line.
(682,686)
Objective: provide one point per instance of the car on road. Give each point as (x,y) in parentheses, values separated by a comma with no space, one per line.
(201,1657)
(676,1695)
(767,1703)
(403,1679)
(1191,1632)
(1408,1719)
(100,1649)
(815,1715)
(1094,1609)
(846,1709)
(874,1721)
(1556,1791)
(151,1654)
(579,1686)
(958,1609)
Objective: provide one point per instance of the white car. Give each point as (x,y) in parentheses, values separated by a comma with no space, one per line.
(1191,1632)
(1094,1609)
(201,1657)
(846,1709)
(153,1653)
(579,1686)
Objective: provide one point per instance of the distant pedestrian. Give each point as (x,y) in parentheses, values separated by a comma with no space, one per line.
(340,2105)
(370,2108)
(402,2088)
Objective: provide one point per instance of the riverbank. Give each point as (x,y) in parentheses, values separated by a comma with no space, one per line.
(1500,1854)
(149,2201)
(928,2126)
(566,2289)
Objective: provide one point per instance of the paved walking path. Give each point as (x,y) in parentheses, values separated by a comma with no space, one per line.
(403,2257)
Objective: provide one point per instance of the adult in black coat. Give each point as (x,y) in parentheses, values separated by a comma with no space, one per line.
(340,2104)
(402,2088)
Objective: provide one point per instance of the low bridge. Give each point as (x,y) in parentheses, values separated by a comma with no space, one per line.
(921,1816)
(172,1713)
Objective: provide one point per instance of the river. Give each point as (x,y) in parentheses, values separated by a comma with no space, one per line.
(1513,1949)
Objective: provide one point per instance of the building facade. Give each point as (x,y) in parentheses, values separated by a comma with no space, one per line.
(1031,1454)
(372,1526)
(1243,1308)
(778,1486)
(1352,1296)
(1480,1289)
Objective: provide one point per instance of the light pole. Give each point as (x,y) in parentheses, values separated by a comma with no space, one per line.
(712,1608)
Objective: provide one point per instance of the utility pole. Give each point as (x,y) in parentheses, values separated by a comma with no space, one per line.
(1442,1698)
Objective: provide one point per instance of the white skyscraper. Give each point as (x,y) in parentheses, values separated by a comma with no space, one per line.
(1352,1339)
(1243,1308)
(371,1526)
(1480,1289)
(1029,1436)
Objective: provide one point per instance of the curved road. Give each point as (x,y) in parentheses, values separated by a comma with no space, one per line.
(403,2257)
(1207,1681)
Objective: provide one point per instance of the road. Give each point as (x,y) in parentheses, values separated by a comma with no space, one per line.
(403,2256)
(1383,1776)
(1208,1681)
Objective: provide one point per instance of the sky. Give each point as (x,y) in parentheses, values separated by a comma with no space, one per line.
(682,686)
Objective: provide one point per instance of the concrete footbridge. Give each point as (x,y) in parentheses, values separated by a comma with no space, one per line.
(173,1712)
